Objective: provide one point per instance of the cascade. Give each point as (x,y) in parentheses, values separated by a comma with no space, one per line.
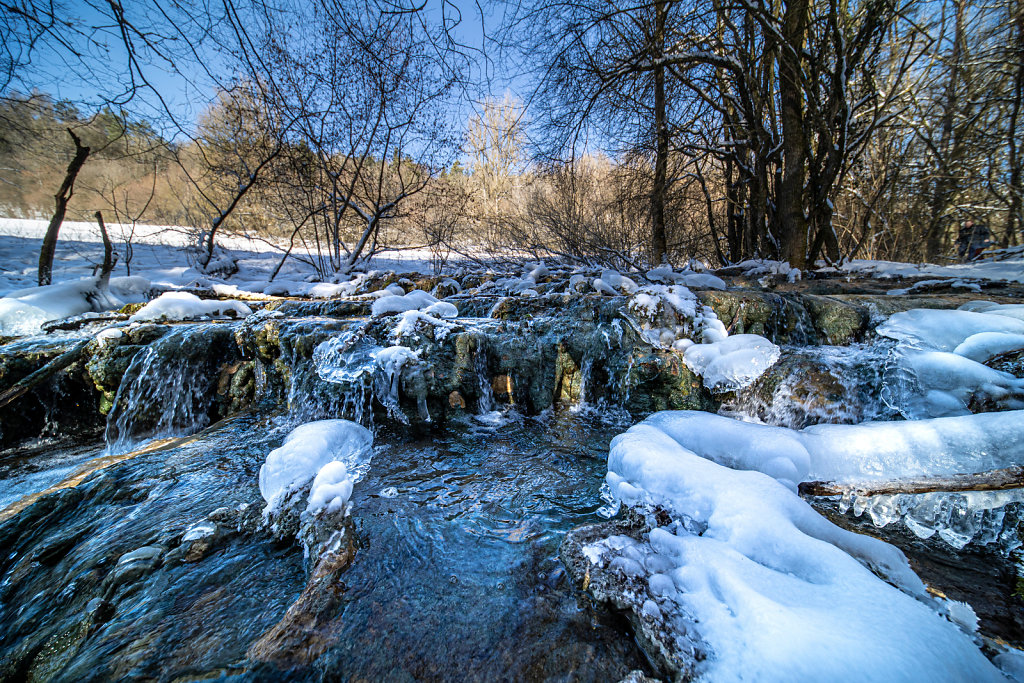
(169,387)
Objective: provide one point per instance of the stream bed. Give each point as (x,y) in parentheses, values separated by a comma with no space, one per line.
(455,574)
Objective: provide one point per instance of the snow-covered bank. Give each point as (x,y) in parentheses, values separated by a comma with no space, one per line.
(1009,270)
(749,576)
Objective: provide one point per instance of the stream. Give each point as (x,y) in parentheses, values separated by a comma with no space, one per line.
(135,543)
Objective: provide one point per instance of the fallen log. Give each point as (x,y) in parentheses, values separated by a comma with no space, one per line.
(993,480)
(22,386)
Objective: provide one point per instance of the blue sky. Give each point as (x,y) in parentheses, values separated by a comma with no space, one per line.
(184,89)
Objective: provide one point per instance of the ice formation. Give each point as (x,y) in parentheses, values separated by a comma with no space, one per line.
(186,306)
(768,589)
(980,518)
(939,367)
(870,451)
(309,451)
(728,363)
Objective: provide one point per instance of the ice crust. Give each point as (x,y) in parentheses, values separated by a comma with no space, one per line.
(773,590)
(335,449)
(186,306)
(728,363)
(939,359)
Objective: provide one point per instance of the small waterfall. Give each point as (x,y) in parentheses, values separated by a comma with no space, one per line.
(349,372)
(338,381)
(584,402)
(816,385)
(485,403)
(168,388)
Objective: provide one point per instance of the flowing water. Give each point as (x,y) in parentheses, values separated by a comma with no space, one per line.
(455,575)
(148,555)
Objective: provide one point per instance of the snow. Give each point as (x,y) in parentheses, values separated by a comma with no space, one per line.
(853,453)
(186,306)
(1010,270)
(23,311)
(304,454)
(687,278)
(332,487)
(944,330)
(939,355)
(728,363)
(413,301)
(411,323)
(773,590)
(983,346)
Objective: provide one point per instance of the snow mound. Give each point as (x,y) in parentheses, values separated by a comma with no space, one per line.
(728,363)
(309,451)
(23,311)
(614,283)
(416,300)
(687,278)
(186,306)
(772,590)
(852,453)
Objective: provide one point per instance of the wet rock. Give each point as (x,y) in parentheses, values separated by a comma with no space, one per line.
(619,592)
(99,610)
(57,652)
(805,388)
(789,318)
(55,550)
(637,676)
(310,625)
(837,322)
(1012,362)
(133,566)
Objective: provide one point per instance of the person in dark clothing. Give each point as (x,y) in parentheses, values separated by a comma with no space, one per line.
(971,240)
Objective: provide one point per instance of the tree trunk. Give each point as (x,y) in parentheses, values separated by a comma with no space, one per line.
(108,254)
(659,239)
(944,184)
(1014,216)
(792,219)
(63,196)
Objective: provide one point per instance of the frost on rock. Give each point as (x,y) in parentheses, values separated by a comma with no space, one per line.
(186,306)
(728,363)
(938,369)
(742,571)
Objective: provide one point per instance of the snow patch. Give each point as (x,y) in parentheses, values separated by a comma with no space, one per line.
(305,452)
(774,591)
(186,306)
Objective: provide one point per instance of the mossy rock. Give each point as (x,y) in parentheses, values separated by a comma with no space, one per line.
(131,309)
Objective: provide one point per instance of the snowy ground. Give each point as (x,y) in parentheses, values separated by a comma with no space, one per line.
(159,255)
